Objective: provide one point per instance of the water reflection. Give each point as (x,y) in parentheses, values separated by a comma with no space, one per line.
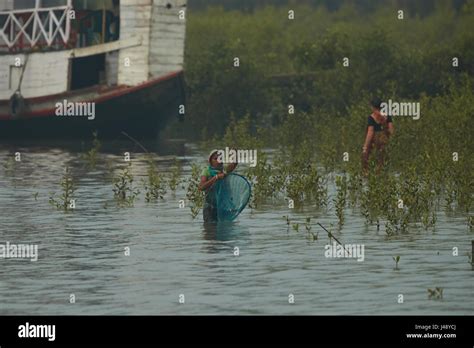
(218,234)
(82,252)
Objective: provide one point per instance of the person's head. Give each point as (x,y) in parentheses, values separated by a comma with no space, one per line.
(376,104)
(213,159)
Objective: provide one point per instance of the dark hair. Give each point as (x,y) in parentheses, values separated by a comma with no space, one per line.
(214,152)
(376,103)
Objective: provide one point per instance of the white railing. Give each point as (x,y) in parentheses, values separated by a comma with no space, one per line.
(35,27)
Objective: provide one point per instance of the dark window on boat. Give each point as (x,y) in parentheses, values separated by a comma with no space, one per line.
(96,22)
(87,71)
(95,4)
(23,4)
(53,3)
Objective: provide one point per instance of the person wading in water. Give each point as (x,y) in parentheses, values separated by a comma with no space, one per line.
(379,130)
(210,175)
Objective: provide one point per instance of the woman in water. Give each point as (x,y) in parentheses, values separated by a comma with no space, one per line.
(210,175)
(379,130)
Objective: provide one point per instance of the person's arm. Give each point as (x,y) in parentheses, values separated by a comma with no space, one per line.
(205,184)
(368,138)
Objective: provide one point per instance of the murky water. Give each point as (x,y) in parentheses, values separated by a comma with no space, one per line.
(82,252)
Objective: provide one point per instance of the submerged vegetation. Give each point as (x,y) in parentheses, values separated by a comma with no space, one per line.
(155,187)
(397,260)
(125,192)
(9,165)
(292,92)
(175,177)
(436,293)
(66,201)
(193,194)
(91,156)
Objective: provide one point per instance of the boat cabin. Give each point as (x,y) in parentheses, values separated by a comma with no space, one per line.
(50,47)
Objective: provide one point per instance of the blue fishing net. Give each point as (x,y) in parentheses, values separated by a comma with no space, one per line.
(230,196)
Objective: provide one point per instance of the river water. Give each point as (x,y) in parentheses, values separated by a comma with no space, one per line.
(82,253)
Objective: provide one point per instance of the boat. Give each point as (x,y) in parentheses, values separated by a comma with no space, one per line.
(121,61)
